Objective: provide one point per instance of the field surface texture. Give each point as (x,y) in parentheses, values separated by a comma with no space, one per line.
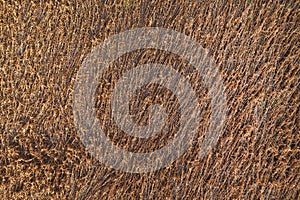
(255,48)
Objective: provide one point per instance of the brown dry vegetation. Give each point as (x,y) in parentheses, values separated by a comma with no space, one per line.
(256,47)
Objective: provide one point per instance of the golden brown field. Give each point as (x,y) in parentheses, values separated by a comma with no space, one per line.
(255,45)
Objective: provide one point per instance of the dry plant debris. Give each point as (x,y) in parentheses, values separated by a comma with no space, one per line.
(256,47)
